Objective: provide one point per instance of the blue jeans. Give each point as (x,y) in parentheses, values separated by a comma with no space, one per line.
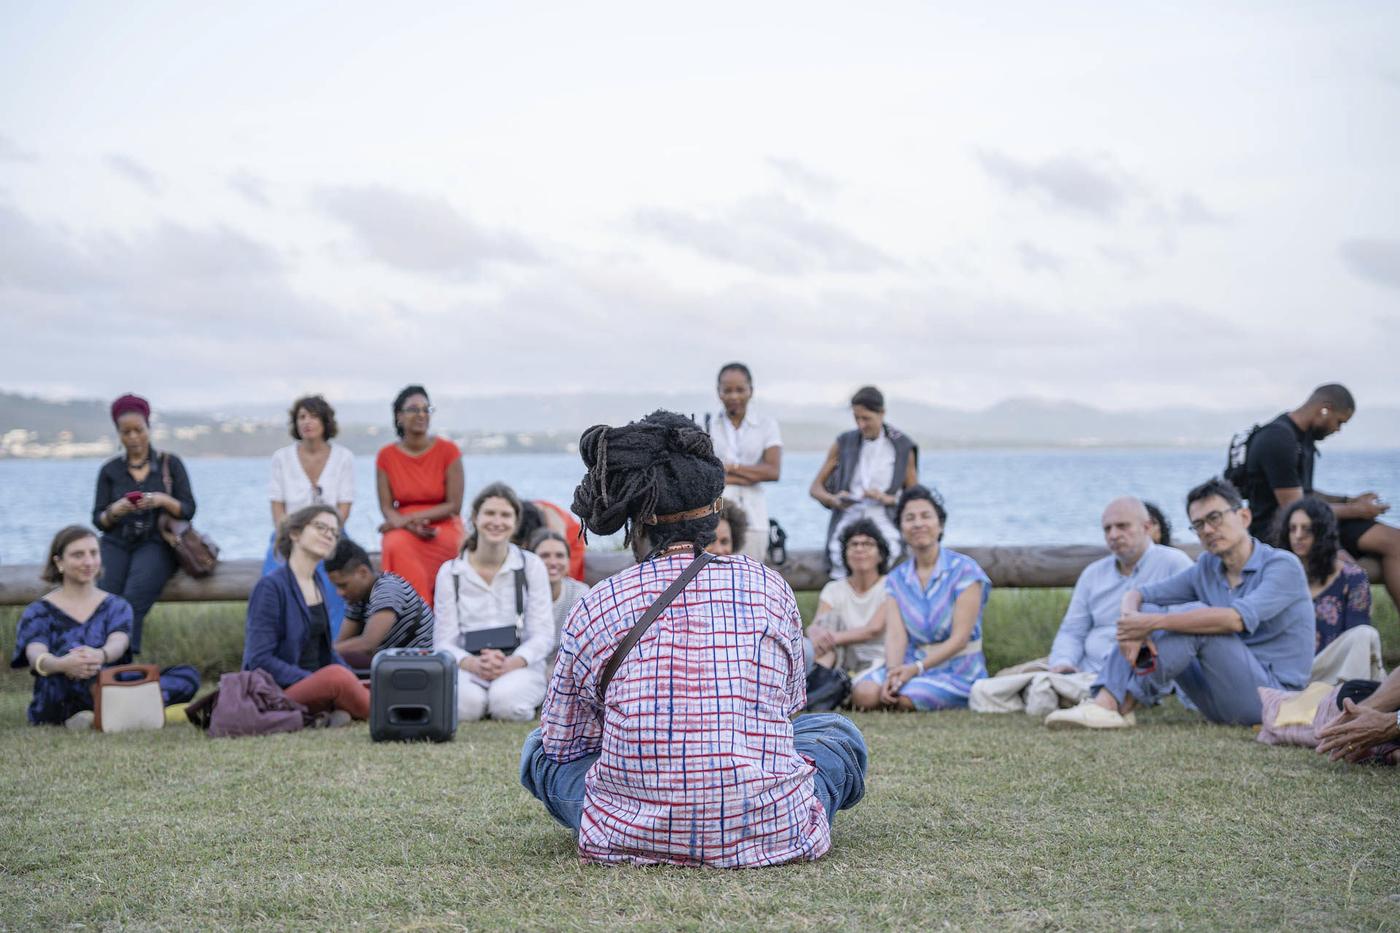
(1218,673)
(832,742)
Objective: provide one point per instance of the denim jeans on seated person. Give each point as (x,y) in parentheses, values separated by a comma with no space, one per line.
(832,743)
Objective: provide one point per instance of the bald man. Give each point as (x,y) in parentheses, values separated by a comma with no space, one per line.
(1089,632)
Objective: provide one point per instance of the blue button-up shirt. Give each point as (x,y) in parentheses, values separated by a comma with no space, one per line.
(1272,599)
(1089,632)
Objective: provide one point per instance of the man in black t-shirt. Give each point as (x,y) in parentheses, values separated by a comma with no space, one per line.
(382,610)
(1279,470)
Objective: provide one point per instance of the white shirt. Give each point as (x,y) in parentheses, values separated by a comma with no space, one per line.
(293,488)
(478,605)
(875,469)
(745,444)
(852,610)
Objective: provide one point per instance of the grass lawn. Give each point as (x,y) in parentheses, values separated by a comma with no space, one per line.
(969,822)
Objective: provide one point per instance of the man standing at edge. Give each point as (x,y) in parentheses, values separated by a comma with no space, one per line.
(1254,630)
(1279,470)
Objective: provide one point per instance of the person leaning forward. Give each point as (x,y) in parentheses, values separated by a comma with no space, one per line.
(1088,635)
(1254,630)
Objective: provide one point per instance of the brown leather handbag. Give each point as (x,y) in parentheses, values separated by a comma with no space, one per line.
(196,553)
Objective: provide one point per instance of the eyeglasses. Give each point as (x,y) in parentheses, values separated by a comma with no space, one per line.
(418,410)
(1213,519)
(861,543)
(324,529)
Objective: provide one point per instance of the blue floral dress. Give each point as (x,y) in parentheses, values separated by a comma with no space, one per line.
(1343,605)
(56,697)
(928,618)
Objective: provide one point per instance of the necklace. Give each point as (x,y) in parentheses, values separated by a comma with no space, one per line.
(680,547)
(137,466)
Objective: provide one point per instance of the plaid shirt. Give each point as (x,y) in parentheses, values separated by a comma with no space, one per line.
(696,765)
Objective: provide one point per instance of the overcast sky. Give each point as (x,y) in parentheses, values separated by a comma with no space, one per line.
(1122,204)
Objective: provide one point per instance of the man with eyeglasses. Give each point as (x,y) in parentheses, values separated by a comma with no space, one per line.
(1254,629)
(1279,471)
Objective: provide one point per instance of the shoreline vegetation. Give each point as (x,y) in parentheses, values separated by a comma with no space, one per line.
(34,428)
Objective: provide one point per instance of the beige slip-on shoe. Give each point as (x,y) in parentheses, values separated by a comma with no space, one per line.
(1089,715)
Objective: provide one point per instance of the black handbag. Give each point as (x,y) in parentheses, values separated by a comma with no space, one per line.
(828,688)
(503,638)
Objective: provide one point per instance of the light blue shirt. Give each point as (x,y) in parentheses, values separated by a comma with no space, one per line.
(1273,602)
(1089,632)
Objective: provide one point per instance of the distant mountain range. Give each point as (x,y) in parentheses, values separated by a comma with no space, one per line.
(519,423)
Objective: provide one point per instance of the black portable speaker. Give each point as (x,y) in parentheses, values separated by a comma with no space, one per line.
(412,695)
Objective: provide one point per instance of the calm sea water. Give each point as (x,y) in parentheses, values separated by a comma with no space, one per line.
(993,496)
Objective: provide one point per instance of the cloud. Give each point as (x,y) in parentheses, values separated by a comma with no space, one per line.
(10,151)
(1376,261)
(134,172)
(1088,186)
(251,187)
(1035,259)
(419,233)
(1191,210)
(771,234)
(803,177)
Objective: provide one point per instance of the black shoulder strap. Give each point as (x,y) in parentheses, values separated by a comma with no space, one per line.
(635,635)
(520,585)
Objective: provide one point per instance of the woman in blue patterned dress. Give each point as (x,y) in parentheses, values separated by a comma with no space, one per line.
(70,634)
(932,660)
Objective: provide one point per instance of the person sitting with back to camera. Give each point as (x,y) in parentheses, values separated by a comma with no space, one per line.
(381,610)
(493,614)
(731,532)
(933,632)
(863,473)
(1254,628)
(1088,634)
(552,548)
(289,631)
(721,666)
(74,631)
(1348,646)
(848,630)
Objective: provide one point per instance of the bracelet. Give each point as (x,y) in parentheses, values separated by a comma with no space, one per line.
(39,664)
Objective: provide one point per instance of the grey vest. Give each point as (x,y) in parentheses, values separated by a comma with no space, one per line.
(848,456)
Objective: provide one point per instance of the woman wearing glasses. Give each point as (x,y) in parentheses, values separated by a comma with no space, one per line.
(420,481)
(288,632)
(313,471)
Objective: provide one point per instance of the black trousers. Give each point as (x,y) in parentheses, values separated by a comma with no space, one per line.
(136,571)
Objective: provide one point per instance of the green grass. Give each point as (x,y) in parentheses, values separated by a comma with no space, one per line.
(969,821)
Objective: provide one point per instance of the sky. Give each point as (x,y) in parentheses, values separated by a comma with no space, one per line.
(1127,205)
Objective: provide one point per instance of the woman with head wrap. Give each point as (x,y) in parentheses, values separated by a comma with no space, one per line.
(131,494)
(689,755)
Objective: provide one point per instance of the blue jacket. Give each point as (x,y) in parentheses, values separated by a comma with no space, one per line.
(278,618)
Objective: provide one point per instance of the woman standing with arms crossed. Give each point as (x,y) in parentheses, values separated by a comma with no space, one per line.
(313,471)
(131,495)
(751,449)
(420,482)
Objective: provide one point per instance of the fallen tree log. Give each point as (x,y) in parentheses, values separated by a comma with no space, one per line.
(1007,566)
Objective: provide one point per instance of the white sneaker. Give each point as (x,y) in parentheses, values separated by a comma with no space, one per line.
(80,721)
(1089,715)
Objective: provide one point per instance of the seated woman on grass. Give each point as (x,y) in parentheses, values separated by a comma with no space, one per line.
(849,628)
(289,629)
(1341,592)
(688,756)
(552,548)
(932,660)
(493,614)
(73,632)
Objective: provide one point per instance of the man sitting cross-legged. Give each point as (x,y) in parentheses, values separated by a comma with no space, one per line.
(382,610)
(1089,633)
(1254,630)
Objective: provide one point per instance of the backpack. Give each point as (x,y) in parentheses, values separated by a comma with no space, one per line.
(1235,473)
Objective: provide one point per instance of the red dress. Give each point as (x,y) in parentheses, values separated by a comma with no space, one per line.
(573,531)
(419,483)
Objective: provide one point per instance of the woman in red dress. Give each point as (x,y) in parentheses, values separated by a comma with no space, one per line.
(420,482)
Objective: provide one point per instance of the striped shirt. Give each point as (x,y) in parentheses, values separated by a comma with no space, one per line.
(413,619)
(696,761)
